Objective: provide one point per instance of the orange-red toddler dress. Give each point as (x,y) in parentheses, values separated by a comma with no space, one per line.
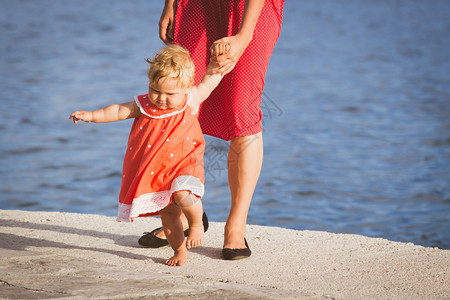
(164,155)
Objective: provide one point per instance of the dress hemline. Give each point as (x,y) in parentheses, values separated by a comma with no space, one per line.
(150,204)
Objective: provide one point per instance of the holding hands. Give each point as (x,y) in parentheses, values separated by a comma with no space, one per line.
(226,60)
(219,48)
(218,51)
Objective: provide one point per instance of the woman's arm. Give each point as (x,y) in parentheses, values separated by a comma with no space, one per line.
(239,42)
(111,113)
(250,16)
(167,21)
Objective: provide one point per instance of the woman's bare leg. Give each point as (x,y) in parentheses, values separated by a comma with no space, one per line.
(245,158)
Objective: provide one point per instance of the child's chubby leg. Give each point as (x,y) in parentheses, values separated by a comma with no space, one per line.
(192,208)
(173,229)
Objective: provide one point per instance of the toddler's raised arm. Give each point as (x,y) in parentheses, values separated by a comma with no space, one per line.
(210,80)
(111,113)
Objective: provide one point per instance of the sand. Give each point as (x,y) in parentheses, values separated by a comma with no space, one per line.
(47,255)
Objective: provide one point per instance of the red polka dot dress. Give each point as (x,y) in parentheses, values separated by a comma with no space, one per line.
(238,97)
(164,155)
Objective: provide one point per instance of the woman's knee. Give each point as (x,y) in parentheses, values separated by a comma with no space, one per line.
(244,146)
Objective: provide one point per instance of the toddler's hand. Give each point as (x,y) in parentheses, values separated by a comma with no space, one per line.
(81,115)
(219,49)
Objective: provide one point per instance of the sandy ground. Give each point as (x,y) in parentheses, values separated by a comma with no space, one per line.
(48,255)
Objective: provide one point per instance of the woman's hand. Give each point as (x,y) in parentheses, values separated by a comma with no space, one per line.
(81,115)
(226,62)
(167,22)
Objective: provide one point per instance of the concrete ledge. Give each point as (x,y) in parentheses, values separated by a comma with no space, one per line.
(47,255)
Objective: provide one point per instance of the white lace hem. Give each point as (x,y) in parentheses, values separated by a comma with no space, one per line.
(154,202)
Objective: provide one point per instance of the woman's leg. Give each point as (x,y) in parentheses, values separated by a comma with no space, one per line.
(245,158)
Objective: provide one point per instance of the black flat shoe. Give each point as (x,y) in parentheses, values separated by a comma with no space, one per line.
(235,254)
(150,240)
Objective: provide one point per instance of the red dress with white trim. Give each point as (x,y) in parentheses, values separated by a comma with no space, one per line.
(164,155)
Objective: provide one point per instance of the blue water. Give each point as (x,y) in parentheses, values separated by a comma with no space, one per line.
(356,105)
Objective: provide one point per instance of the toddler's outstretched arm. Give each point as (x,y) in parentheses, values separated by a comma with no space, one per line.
(111,113)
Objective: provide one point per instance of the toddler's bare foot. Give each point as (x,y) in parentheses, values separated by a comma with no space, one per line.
(195,237)
(178,259)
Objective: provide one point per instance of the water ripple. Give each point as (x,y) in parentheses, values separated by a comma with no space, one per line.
(356,114)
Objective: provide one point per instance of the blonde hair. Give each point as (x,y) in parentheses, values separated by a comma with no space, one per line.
(172,61)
